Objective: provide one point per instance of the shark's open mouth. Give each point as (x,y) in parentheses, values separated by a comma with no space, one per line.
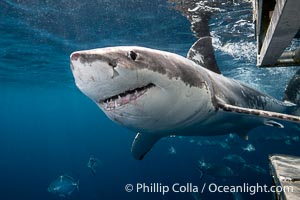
(118,100)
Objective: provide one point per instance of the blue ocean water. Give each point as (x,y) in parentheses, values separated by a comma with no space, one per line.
(49,128)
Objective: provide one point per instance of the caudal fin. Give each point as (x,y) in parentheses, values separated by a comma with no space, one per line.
(292,92)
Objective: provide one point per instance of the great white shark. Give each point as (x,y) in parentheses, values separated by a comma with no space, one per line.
(158,94)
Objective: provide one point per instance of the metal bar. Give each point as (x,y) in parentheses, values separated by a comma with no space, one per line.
(289,58)
(284,25)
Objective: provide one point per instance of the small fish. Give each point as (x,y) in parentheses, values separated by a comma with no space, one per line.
(233,158)
(232,140)
(249,148)
(93,164)
(192,141)
(203,142)
(203,165)
(221,171)
(224,145)
(171,151)
(295,138)
(288,142)
(63,186)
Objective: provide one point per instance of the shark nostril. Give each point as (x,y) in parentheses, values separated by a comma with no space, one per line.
(113,64)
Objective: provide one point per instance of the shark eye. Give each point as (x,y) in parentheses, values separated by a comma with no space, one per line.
(132,55)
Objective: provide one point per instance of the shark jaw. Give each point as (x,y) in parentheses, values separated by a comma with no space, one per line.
(141,89)
(124,98)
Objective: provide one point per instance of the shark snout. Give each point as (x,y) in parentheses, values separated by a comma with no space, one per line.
(93,67)
(74,56)
(88,57)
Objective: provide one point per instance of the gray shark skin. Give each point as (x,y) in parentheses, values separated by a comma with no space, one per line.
(158,94)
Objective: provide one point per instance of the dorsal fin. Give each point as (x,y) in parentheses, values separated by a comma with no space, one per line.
(202,53)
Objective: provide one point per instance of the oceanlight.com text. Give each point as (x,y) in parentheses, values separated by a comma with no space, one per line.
(246,188)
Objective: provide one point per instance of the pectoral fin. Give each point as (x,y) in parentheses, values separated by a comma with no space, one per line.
(261,114)
(142,144)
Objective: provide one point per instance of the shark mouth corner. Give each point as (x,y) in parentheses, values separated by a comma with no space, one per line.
(123,98)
